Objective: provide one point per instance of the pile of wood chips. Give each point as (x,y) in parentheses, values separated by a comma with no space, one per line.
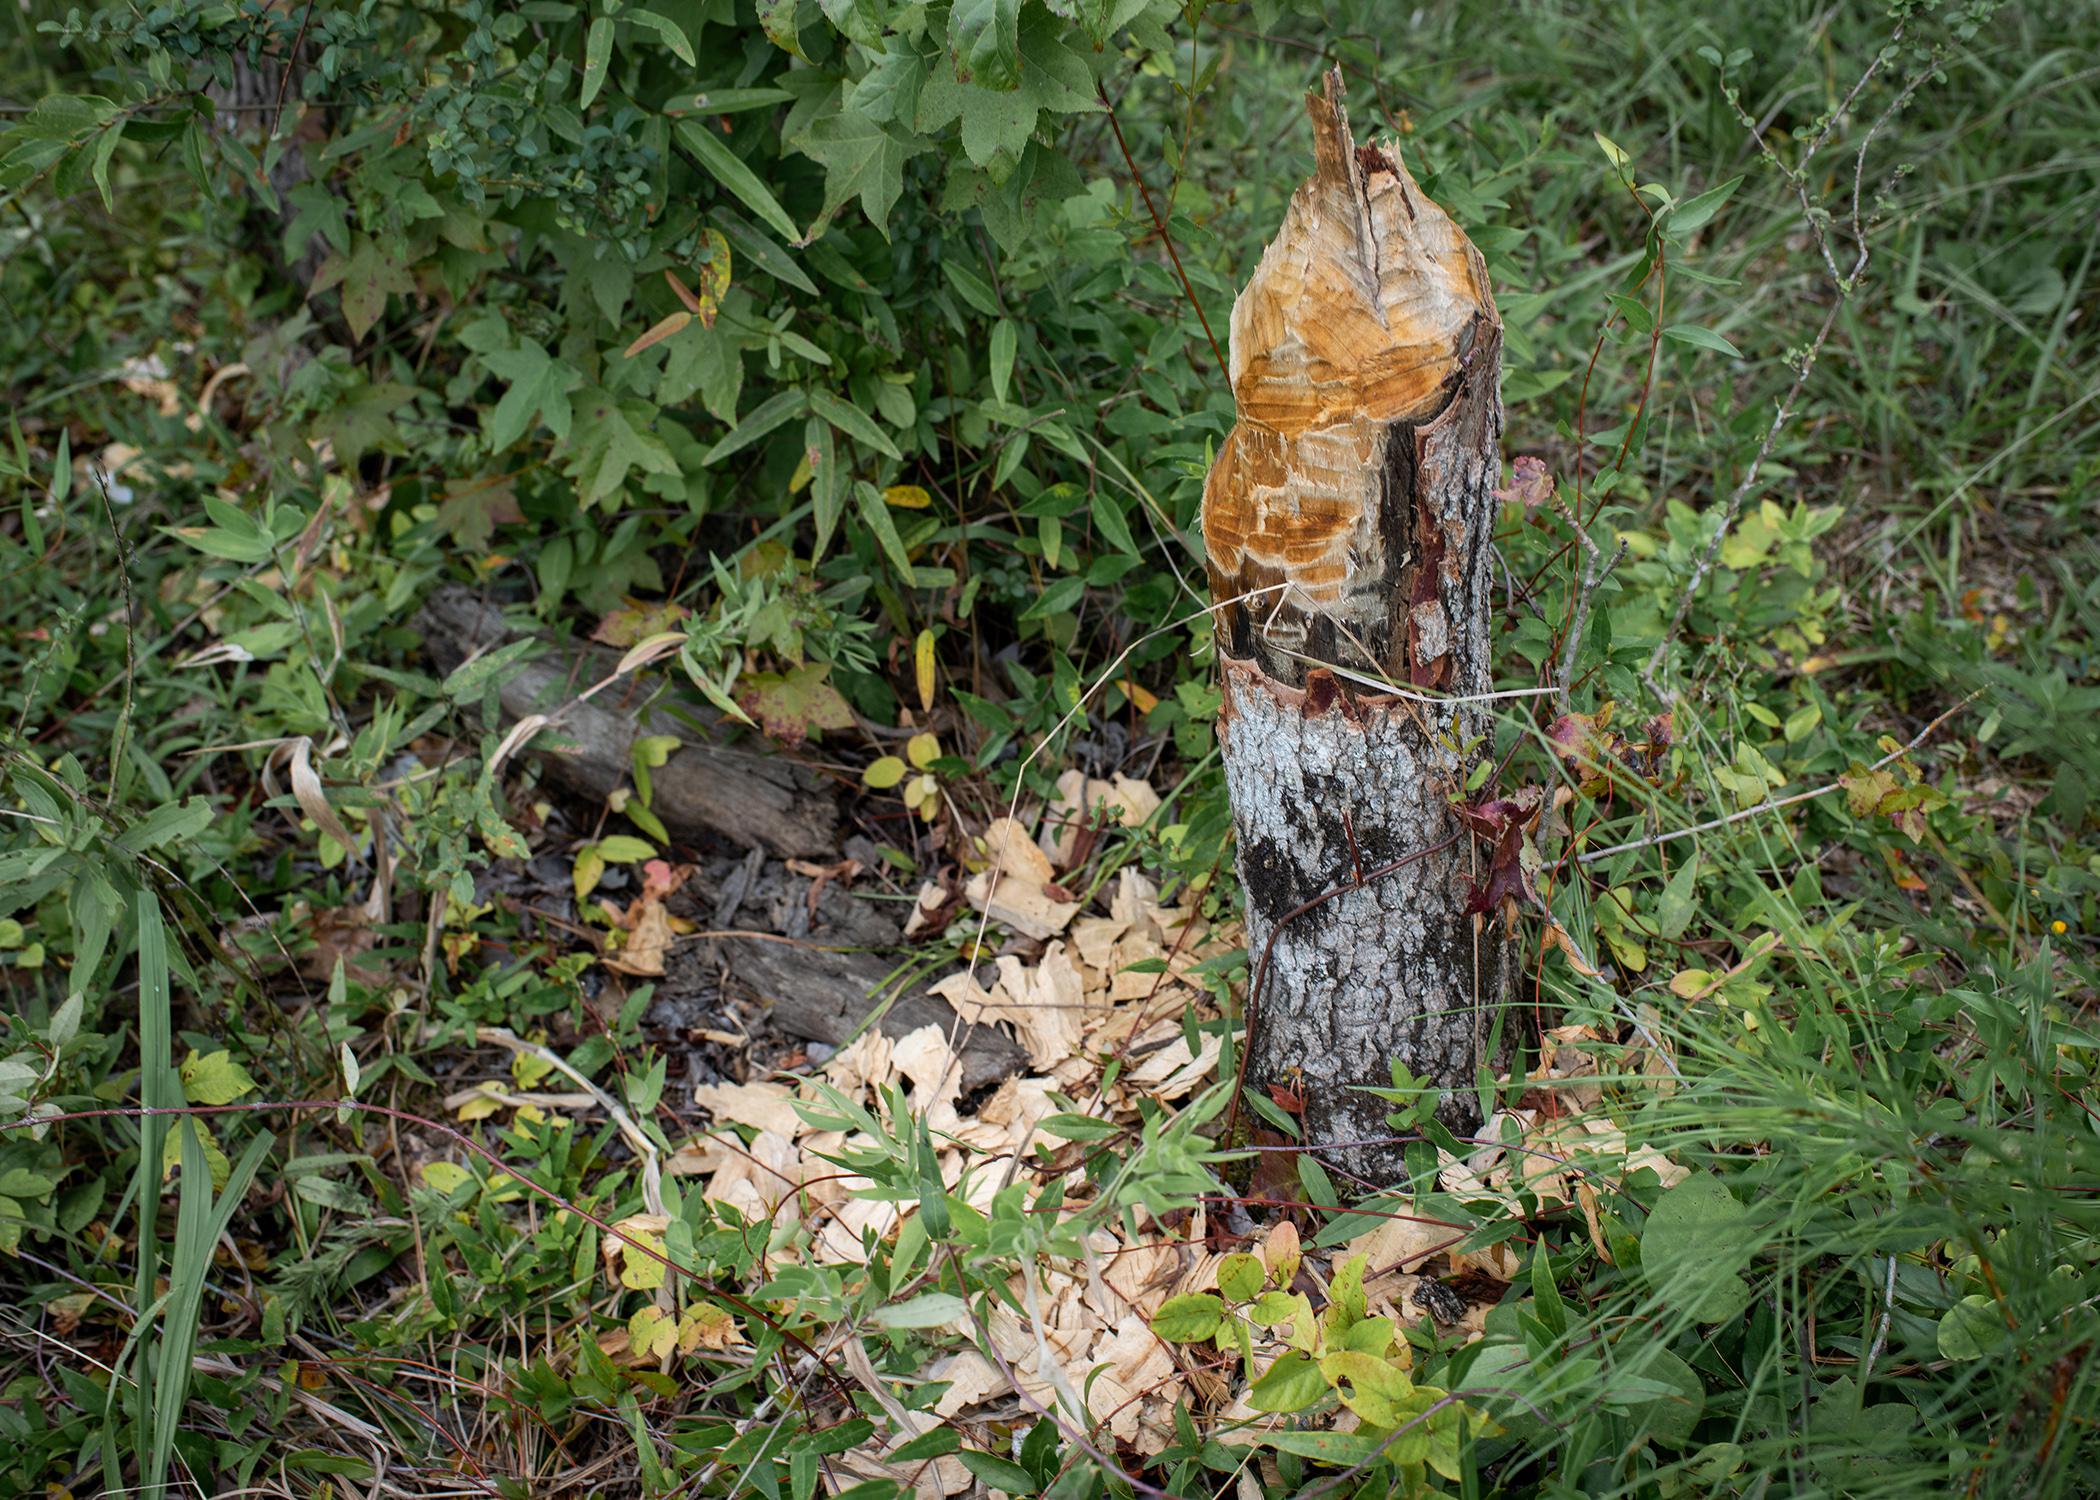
(1102,988)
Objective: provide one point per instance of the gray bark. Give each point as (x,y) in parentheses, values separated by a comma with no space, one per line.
(754,797)
(1351,515)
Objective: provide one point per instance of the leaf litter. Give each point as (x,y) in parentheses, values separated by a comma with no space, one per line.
(1097,999)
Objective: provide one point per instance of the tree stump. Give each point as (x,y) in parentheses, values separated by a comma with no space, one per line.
(1349,523)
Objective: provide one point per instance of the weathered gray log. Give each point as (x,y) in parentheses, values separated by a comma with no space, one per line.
(753,797)
(1349,517)
(826,997)
(812,992)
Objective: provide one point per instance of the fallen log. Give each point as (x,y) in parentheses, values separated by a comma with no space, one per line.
(767,802)
(1348,523)
(751,797)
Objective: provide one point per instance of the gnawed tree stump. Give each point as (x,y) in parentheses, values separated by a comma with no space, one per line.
(1351,507)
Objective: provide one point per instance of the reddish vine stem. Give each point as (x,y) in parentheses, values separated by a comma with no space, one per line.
(1165,238)
(307,1106)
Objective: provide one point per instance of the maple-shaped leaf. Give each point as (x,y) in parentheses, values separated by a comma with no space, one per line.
(473,508)
(984,40)
(613,439)
(539,387)
(364,422)
(862,158)
(997,125)
(706,361)
(790,707)
(366,275)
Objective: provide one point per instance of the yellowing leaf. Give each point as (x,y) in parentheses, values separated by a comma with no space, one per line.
(907,497)
(481,1105)
(171,1154)
(446,1176)
(922,662)
(1691,984)
(884,773)
(1145,699)
(652,1333)
(214,1078)
(639,1271)
(588,871)
(705,1326)
(922,750)
(626,849)
(791,706)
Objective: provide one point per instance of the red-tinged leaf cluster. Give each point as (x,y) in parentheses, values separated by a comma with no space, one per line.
(1870,790)
(1589,748)
(1507,822)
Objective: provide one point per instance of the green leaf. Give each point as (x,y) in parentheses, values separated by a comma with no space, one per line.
(997,125)
(364,422)
(1292,1383)
(779,408)
(763,252)
(1240,1277)
(1691,1246)
(725,101)
(728,169)
(1339,1448)
(614,438)
(1700,338)
(597,56)
(1367,1385)
(852,421)
(1003,345)
(1668,1419)
(704,360)
(828,484)
(471,677)
(862,158)
(1679,900)
(937,1442)
(539,386)
(984,41)
(1693,213)
(777,18)
(668,31)
(927,1310)
(625,849)
(999,1473)
(366,275)
(1970,1329)
(1189,1318)
(875,514)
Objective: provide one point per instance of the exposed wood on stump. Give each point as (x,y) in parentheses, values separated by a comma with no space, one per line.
(753,797)
(1355,490)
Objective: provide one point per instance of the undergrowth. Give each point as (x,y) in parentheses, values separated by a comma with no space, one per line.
(855,368)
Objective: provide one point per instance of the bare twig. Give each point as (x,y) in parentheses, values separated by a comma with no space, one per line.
(1843,283)
(1224,368)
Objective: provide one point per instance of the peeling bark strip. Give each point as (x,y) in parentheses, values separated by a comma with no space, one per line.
(1366,367)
